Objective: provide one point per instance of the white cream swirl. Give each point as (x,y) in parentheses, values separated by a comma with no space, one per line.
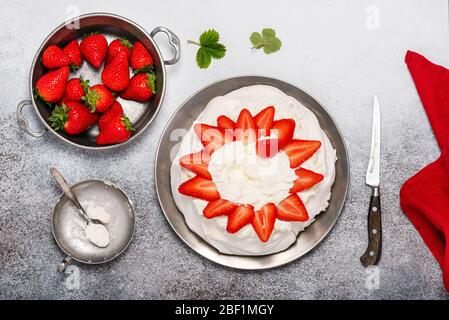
(233,162)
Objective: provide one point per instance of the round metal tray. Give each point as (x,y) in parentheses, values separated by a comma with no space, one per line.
(184,117)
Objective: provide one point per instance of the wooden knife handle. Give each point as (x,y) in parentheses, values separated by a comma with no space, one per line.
(374,250)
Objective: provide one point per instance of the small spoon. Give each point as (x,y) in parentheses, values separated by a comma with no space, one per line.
(65,187)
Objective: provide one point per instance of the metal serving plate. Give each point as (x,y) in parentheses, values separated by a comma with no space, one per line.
(308,239)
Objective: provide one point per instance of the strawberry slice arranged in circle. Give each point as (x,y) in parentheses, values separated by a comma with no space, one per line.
(306,180)
(219,208)
(264,120)
(284,130)
(263,222)
(246,129)
(197,163)
(211,137)
(298,151)
(241,216)
(200,188)
(225,123)
(292,209)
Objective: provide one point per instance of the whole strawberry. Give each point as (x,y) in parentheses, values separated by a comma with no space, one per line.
(141,59)
(115,74)
(113,112)
(117,46)
(94,48)
(54,58)
(141,87)
(98,98)
(51,86)
(73,117)
(76,89)
(116,130)
(72,50)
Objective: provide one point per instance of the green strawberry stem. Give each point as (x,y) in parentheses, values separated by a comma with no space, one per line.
(91,99)
(151,82)
(73,68)
(127,123)
(59,117)
(194,42)
(126,42)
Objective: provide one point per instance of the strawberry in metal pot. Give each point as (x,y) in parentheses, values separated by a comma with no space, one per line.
(73,117)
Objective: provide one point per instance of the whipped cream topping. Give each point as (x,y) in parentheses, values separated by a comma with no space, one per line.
(242,177)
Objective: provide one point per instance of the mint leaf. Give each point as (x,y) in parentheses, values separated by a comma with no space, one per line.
(209,49)
(266,40)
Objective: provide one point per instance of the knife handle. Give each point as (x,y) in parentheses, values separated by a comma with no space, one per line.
(374,250)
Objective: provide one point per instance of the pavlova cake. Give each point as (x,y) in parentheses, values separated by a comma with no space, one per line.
(253,171)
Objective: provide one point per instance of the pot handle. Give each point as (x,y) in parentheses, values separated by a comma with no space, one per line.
(23,122)
(64,264)
(174,41)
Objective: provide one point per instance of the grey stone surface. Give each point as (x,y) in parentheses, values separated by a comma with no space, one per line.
(328,50)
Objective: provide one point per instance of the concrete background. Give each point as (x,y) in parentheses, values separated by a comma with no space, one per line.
(328,49)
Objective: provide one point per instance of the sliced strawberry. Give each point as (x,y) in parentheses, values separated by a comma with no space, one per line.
(299,151)
(200,188)
(197,163)
(211,137)
(219,208)
(264,120)
(246,128)
(306,180)
(284,130)
(241,216)
(292,209)
(263,222)
(225,123)
(267,148)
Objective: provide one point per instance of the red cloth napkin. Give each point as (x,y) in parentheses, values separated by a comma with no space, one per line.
(425,196)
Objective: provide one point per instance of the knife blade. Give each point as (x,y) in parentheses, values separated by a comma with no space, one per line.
(373,252)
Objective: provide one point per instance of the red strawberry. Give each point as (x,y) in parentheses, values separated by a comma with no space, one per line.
(94,48)
(197,163)
(284,129)
(246,128)
(200,188)
(241,216)
(73,117)
(299,151)
(141,59)
(306,180)
(292,209)
(211,137)
(51,86)
(113,112)
(75,90)
(263,222)
(141,87)
(264,120)
(72,50)
(225,123)
(117,46)
(54,58)
(116,130)
(115,74)
(98,98)
(219,208)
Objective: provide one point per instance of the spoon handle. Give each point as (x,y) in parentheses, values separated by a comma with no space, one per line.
(65,187)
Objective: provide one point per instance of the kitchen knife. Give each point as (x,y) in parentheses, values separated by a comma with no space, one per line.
(373,252)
